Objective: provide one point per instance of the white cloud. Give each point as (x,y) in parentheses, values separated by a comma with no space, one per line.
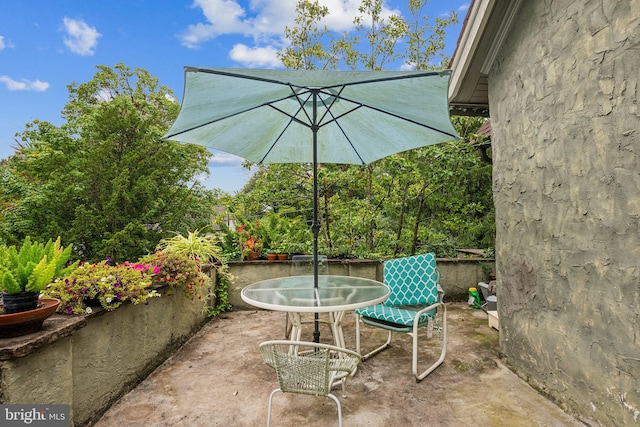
(264,22)
(464,7)
(81,38)
(221,159)
(223,17)
(2,45)
(255,56)
(24,84)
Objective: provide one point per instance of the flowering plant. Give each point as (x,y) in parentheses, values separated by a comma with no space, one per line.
(178,270)
(249,239)
(109,284)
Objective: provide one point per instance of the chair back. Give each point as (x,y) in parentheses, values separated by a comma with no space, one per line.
(302,265)
(412,280)
(308,368)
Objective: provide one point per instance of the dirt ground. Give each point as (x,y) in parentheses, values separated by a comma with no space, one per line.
(218,379)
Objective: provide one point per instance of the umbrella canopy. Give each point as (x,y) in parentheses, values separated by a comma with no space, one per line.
(296,116)
(268,116)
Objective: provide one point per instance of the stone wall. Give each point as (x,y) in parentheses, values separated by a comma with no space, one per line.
(90,361)
(566,137)
(457,274)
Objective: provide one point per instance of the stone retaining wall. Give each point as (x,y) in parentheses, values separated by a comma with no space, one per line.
(90,361)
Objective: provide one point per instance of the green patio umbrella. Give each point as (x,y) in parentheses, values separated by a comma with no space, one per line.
(296,116)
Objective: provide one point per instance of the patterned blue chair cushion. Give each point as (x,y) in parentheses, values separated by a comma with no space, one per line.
(397,315)
(413,281)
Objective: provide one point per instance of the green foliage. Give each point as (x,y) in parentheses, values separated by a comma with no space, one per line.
(178,271)
(109,284)
(437,198)
(32,267)
(306,51)
(203,249)
(105,179)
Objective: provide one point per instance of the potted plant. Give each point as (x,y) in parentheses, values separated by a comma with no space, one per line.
(202,249)
(250,241)
(25,272)
(179,271)
(103,285)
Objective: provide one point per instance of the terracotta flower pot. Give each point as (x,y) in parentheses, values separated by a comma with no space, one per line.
(272,257)
(27,322)
(252,256)
(283,257)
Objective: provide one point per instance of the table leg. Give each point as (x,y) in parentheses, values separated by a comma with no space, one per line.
(336,328)
(296,326)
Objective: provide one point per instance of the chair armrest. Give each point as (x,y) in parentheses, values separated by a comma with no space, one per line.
(440,303)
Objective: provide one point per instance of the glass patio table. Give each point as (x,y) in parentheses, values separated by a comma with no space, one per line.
(335,295)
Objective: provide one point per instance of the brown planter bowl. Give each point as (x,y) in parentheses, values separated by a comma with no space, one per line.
(27,322)
(283,257)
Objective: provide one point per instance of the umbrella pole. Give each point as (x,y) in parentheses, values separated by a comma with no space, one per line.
(316,224)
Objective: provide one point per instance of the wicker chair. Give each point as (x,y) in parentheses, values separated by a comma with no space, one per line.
(308,368)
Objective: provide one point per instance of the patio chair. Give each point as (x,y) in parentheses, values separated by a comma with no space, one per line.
(413,305)
(308,368)
(302,265)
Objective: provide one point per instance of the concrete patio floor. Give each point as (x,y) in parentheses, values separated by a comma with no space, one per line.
(218,379)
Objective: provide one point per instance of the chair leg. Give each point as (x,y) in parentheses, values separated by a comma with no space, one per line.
(339,408)
(374,351)
(421,376)
(335,399)
(270,401)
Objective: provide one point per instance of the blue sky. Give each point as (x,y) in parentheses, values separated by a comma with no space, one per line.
(47,44)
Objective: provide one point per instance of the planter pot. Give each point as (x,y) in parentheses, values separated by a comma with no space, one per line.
(272,257)
(27,322)
(252,256)
(19,302)
(92,302)
(283,257)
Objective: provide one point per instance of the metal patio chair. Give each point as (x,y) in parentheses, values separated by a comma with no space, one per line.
(413,305)
(308,368)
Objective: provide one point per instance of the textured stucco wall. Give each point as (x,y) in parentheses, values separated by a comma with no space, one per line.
(97,363)
(566,138)
(457,274)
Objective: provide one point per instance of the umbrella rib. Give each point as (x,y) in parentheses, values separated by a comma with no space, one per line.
(335,119)
(380,110)
(255,107)
(241,76)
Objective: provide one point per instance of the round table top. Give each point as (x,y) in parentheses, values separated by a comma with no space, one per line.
(296,293)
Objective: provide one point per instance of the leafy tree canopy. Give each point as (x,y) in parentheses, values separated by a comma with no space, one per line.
(437,198)
(104,180)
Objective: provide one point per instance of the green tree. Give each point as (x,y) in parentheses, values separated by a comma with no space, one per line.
(436,198)
(305,51)
(104,180)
